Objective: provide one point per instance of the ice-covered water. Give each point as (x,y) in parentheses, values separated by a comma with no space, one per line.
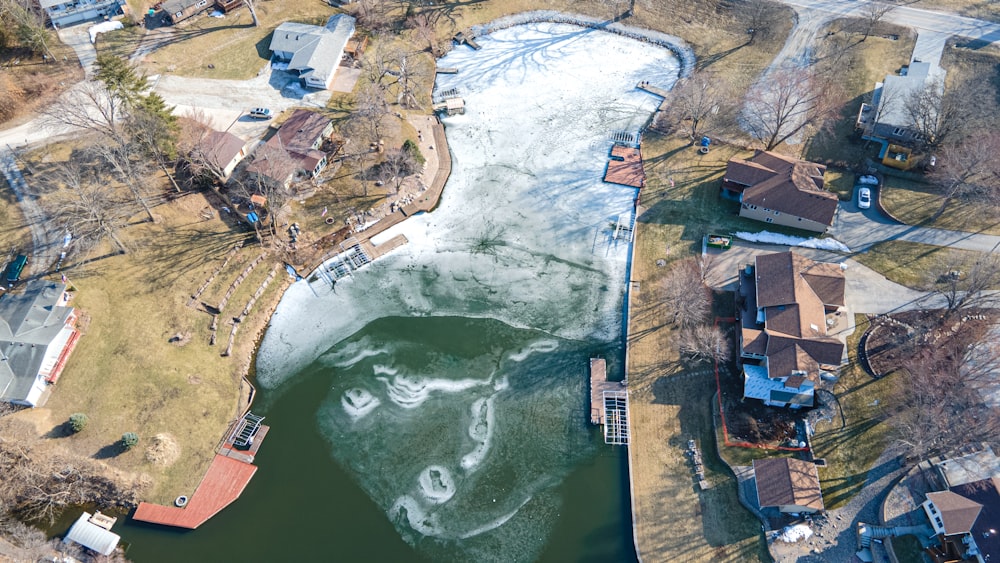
(461,428)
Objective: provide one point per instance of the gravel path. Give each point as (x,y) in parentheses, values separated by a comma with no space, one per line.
(836,539)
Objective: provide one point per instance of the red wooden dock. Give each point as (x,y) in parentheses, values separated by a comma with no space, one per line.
(625,167)
(224,482)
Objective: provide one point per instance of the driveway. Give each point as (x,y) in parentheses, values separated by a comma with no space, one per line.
(225,102)
(860,229)
(867,290)
(78,38)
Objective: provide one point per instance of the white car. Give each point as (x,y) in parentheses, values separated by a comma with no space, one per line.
(864,198)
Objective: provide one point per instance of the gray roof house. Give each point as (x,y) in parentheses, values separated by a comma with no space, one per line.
(37,335)
(886,117)
(313,51)
(68,12)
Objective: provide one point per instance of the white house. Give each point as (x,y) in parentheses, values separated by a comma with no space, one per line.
(312,51)
(37,334)
(67,12)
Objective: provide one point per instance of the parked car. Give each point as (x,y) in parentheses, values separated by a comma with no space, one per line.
(261,113)
(864,198)
(14,269)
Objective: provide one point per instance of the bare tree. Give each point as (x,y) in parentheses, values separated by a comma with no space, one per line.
(973,289)
(411,70)
(969,170)
(91,107)
(872,14)
(90,209)
(787,102)
(889,99)
(373,14)
(130,169)
(685,297)
(695,100)
(939,117)
(942,405)
(381,61)
(704,342)
(27,21)
(370,113)
(424,27)
(397,166)
(757,15)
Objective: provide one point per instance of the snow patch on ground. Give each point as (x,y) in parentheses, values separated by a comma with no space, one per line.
(767,237)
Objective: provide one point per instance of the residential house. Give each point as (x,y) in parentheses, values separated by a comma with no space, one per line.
(785,303)
(221,151)
(68,12)
(886,117)
(180,10)
(312,51)
(293,152)
(778,189)
(37,335)
(788,484)
(966,518)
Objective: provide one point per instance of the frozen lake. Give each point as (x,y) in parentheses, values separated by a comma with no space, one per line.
(453,370)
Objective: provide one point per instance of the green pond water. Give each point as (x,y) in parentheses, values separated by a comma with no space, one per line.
(545,488)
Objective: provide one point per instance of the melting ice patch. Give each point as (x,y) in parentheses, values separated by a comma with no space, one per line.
(358,402)
(521,233)
(520,237)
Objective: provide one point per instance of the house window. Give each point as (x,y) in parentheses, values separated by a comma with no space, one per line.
(897,131)
(752,206)
(776,213)
(769,220)
(800,218)
(202,3)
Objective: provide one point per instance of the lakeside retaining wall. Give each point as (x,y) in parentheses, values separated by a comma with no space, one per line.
(677,45)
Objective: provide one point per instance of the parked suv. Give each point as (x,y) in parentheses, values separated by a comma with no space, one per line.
(260,113)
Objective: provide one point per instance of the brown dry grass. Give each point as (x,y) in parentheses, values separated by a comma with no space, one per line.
(126,375)
(29,83)
(163,450)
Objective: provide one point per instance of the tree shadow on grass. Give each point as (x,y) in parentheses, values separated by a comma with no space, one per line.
(60,431)
(111,450)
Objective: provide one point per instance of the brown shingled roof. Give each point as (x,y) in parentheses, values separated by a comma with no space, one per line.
(784,184)
(958,513)
(794,292)
(784,481)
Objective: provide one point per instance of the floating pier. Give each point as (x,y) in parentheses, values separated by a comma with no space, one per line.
(446,70)
(608,404)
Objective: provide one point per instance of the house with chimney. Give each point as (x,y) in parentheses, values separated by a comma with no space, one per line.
(966,519)
(294,152)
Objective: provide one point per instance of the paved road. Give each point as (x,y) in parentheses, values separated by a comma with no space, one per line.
(860,229)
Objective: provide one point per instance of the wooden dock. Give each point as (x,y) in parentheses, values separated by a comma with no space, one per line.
(446,70)
(625,167)
(227,476)
(608,403)
(224,482)
(656,91)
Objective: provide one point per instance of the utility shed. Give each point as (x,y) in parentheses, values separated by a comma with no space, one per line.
(92,536)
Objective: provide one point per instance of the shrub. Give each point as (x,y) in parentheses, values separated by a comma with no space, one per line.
(129,440)
(413,150)
(77,421)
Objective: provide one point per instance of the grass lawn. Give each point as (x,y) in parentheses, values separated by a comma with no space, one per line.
(914,202)
(857,66)
(124,374)
(852,442)
(232,44)
(914,264)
